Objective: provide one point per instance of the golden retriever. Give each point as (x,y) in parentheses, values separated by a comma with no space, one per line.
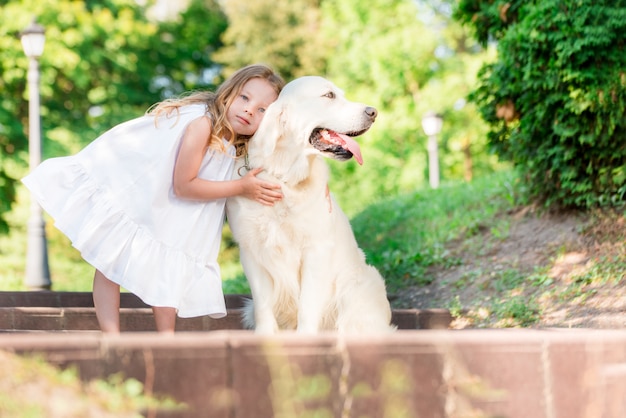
(305,269)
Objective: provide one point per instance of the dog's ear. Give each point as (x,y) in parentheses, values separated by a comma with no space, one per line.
(271,129)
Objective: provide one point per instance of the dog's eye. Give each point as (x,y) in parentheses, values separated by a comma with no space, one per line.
(330,95)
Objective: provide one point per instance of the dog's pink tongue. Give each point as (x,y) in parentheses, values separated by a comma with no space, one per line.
(352,146)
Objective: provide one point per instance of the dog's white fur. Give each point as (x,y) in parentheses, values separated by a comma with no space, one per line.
(305,269)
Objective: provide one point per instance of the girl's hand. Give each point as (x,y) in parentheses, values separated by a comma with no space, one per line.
(262,191)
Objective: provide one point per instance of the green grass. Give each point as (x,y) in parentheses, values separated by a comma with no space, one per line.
(405,235)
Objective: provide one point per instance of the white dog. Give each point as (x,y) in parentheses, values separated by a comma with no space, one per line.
(304,266)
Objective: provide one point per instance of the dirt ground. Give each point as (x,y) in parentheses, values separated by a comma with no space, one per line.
(564,248)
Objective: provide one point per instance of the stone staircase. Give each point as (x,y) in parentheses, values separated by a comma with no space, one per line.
(74,311)
(423,370)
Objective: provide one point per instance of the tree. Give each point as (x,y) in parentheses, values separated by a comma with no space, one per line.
(383,56)
(555,99)
(384,53)
(283,34)
(104,62)
(405,58)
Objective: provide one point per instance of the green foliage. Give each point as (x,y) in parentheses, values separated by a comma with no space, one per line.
(7,196)
(556,97)
(517,311)
(404,236)
(32,388)
(283,34)
(106,62)
(382,53)
(488,19)
(103,63)
(379,61)
(404,59)
(182,52)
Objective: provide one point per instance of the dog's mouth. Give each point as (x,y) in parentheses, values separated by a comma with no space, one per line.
(340,146)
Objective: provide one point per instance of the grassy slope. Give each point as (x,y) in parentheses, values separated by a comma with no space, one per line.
(406,235)
(496,262)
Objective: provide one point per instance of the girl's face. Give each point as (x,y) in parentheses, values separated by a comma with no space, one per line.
(247,110)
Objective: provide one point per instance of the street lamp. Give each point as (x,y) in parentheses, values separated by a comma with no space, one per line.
(432,124)
(37,270)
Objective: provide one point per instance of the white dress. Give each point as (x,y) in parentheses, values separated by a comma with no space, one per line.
(114,200)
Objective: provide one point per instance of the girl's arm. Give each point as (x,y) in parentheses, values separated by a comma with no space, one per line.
(188,185)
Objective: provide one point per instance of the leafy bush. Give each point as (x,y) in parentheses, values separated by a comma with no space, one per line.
(32,387)
(555,98)
(7,196)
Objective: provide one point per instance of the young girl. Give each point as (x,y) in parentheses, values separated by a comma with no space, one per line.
(144,202)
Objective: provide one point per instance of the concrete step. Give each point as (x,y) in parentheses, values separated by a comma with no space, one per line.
(48,298)
(234,373)
(141,319)
(73,311)
(84,319)
(429,373)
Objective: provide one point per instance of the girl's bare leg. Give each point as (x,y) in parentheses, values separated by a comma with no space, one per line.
(165,318)
(106,299)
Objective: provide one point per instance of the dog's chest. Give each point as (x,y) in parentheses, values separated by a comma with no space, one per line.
(301,216)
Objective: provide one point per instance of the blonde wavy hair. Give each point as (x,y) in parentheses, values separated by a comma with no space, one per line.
(219,101)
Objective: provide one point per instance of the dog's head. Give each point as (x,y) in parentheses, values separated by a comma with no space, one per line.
(312,114)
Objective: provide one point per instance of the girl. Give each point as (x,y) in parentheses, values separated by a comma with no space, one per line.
(144,202)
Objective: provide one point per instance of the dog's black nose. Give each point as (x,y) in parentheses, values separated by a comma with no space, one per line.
(371,112)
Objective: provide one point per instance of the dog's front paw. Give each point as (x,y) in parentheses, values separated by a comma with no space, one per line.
(266,329)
